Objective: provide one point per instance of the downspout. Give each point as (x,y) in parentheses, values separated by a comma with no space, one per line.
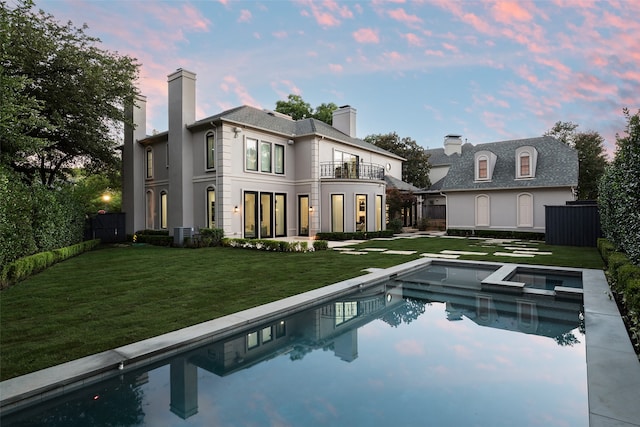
(215,159)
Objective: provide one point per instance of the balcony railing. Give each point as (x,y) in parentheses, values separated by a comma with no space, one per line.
(354,170)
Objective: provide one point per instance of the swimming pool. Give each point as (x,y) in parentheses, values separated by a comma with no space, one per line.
(400,352)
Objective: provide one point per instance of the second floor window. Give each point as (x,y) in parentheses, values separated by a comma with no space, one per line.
(525,165)
(149,172)
(251,154)
(482,169)
(211,151)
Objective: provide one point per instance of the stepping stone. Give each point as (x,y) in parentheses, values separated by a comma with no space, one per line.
(532,253)
(400,252)
(520,248)
(374,249)
(343,249)
(440,256)
(515,255)
(354,253)
(448,252)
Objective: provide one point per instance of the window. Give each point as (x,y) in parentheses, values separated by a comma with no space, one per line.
(278,154)
(265,157)
(151,211)
(346,164)
(251,154)
(281,215)
(525,210)
(281,329)
(525,165)
(211,151)
(482,168)
(149,165)
(482,210)
(526,158)
(250,214)
(211,208)
(266,334)
(266,214)
(163,210)
(252,340)
(337,213)
(378,212)
(346,311)
(361,212)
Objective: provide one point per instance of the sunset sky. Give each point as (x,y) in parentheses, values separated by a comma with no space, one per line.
(488,70)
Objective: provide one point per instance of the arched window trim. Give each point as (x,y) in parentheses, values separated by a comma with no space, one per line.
(490,159)
(521,153)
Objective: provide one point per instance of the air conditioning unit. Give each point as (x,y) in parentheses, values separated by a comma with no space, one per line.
(181,233)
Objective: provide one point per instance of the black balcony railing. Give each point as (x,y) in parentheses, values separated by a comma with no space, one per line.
(354,170)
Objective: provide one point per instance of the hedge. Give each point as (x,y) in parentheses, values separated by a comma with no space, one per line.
(357,235)
(22,268)
(497,234)
(625,281)
(275,245)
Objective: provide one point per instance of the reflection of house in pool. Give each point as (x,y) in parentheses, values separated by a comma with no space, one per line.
(545,315)
(333,325)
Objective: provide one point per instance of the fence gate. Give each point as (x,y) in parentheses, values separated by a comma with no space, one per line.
(572,225)
(108,227)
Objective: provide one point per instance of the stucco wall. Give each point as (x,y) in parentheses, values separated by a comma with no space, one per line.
(503,208)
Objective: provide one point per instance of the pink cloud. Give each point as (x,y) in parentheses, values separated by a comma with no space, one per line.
(409,348)
(231,84)
(245,16)
(450,47)
(366,35)
(327,13)
(336,68)
(394,56)
(402,16)
(413,39)
(434,52)
(289,87)
(507,11)
(280,34)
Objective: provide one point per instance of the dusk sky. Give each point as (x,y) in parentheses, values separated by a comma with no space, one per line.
(488,70)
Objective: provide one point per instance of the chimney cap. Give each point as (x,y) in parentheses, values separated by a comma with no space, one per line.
(453,135)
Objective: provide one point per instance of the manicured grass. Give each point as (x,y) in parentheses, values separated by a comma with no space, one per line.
(113,296)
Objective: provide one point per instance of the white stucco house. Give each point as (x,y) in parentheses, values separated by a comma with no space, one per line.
(501,185)
(253,173)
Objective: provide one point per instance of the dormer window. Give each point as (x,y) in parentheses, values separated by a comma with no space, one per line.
(526,159)
(485,161)
(482,168)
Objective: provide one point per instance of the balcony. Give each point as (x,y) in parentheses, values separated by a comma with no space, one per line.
(354,170)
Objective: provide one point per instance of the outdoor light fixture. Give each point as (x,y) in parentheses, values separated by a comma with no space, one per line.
(310,208)
(235,209)
(237,130)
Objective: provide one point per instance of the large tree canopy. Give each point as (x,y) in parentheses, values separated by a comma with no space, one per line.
(591,156)
(415,170)
(298,109)
(63,96)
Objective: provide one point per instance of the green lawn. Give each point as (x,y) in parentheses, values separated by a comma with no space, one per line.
(113,296)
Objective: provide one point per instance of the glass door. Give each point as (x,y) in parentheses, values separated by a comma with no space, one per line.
(303,215)
(266,215)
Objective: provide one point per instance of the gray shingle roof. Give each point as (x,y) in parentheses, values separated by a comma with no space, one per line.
(273,122)
(557,166)
(401,185)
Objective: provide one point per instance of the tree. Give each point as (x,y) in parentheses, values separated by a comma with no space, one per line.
(619,195)
(591,156)
(68,93)
(298,109)
(415,169)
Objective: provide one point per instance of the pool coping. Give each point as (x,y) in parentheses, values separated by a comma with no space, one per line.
(613,369)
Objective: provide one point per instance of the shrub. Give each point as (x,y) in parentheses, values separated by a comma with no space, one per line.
(214,234)
(355,235)
(320,245)
(605,247)
(616,260)
(627,273)
(496,234)
(395,225)
(22,268)
(423,224)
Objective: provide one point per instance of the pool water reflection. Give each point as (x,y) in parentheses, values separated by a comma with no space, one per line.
(400,353)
